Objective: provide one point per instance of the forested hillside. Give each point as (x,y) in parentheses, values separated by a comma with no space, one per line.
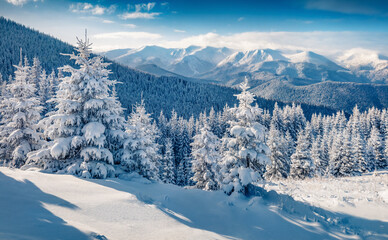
(335,95)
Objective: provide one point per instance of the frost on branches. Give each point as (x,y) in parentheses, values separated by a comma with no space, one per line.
(245,153)
(87,128)
(280,165)
(205,159)
(301,162)
(141,152)
(20,112)
(167,168)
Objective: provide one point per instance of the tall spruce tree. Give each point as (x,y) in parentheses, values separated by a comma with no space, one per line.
(279,167)
(376,146)
(245,152)
(141,151)
(87,128)
(167,172)
(359,151)
(205,159)
(301,162)
(20,112)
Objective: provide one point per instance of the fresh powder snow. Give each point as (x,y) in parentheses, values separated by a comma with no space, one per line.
(36,205)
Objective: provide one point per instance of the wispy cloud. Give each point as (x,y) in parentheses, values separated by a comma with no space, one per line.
(326,43)
(240,19)
(135,15)
(116,40)
(321,42)
(129,25)
(179,31)
(21,2)
(143,6)
(96,19)
(91,9)
(107,21)
(123,35)
(142,10)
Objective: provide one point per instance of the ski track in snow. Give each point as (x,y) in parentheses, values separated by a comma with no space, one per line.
(35,205)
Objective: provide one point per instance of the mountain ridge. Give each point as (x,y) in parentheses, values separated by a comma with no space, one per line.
(222,63)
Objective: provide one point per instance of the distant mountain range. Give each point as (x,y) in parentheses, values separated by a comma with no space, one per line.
(354,77)
(227,66)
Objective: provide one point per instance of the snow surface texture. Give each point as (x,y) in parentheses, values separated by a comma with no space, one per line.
(363,196)
(36,205)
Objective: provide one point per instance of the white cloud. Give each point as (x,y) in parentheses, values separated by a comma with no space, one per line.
(326,43)
(129,25)
(107,21)
(124,35)
(90,8)
(145,6)
(141,11)
(142,6)
(240,19)
(17,2)
(135,15)
(116,40)
(321,42)
(97,10)
(20,2)
(179,31)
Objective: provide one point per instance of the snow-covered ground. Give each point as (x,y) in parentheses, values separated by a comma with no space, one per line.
(364,196)
(36,205)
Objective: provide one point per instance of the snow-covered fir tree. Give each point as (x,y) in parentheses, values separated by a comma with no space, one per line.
(167,170)
(43,91)
(301,162)
(181,177)
(279,167)
(320,161)
(341,158)
(53,85)
(20,113)
(87,127)
(245,153)
(359,152)
(206,156)
(141,151)
(376,148)
(35,72)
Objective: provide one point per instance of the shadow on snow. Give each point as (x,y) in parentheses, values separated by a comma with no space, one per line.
(23,216)
(263,215)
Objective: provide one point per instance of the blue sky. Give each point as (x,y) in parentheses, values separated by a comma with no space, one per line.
(325,26)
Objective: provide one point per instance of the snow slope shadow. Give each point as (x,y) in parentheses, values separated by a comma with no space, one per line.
(268,216)
(23,216)
(344,224)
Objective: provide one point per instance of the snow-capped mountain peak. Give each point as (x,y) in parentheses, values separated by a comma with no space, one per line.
(357,57)
(356,65)
(311,57)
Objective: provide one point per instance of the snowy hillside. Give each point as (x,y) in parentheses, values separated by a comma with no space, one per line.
(362,196)
(51,206)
